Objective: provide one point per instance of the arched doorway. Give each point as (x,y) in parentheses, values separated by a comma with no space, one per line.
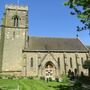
(49,70)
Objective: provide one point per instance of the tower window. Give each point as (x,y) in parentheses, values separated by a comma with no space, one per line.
(16,20)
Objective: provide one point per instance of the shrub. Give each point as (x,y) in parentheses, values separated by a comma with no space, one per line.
(42,78)
(57,79)
(77,85)
(30,77)
(10,77)
(1,77)
(65,79)
(50,79)
(84,79)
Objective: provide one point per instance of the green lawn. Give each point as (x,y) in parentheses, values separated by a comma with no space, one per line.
(26,84)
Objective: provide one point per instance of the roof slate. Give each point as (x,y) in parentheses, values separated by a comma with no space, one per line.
(57,44)
(88,47)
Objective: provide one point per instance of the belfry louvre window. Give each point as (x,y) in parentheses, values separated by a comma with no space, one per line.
(31,62)
(15,21)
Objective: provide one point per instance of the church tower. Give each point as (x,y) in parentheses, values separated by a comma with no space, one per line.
(15,32)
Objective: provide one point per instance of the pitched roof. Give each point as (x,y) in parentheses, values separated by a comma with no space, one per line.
(88,47)
(54,44)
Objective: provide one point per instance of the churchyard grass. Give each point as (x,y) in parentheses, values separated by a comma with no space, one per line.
(26,84)
(7,84)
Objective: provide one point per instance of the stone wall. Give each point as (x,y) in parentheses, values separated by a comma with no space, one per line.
(14,39)
(0,49)
(1,46)
(43,58)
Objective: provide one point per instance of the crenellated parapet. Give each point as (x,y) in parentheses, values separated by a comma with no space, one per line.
(19,7)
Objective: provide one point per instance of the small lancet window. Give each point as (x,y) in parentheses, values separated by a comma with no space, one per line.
(82,61)
(31,62)
(58,62)
(71,62)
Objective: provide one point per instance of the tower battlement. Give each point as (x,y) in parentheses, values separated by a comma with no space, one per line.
(13,6)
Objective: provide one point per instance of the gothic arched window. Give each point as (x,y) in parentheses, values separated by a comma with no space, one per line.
(15,21)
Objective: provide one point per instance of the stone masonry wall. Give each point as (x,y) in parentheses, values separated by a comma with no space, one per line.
(38,59)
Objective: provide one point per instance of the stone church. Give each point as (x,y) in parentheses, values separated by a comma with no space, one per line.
(21,54)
